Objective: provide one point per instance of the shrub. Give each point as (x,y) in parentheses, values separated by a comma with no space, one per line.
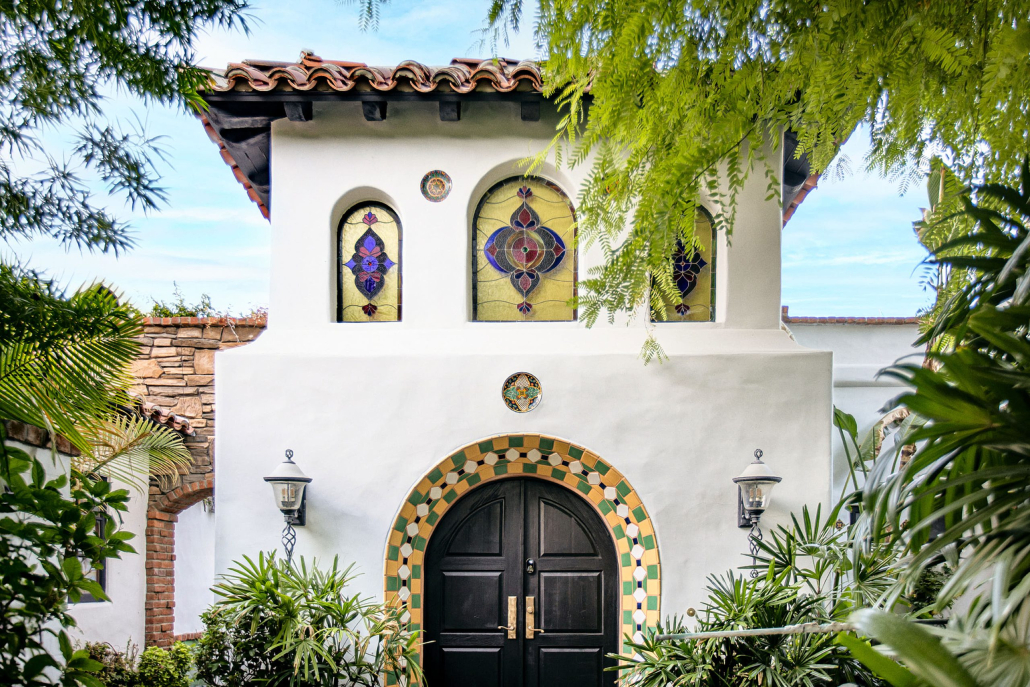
(156,667)
(287,624)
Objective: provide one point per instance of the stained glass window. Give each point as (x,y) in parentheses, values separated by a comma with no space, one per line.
(693,276)
(523,253)
(369,282)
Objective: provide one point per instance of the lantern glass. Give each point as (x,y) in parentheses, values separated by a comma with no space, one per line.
(288,495)
(756,494)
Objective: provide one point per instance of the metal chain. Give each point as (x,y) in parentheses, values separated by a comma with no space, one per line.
(289,540)
(753,537)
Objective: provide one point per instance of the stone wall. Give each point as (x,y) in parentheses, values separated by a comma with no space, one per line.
(175,371)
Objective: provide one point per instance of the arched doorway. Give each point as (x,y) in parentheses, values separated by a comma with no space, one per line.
(546,458)
(521,589)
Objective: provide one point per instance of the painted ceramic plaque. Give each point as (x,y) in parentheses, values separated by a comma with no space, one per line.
(436,185)
(522,392)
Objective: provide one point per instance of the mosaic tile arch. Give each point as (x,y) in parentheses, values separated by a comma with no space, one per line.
(548,458)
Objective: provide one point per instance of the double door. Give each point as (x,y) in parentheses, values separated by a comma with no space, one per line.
(521,589)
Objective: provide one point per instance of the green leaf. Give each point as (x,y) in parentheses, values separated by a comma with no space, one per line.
(920,651)
(884,666)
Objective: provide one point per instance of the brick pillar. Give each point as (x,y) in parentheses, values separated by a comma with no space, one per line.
(160,599)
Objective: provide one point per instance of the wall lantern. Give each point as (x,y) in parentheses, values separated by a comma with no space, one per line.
(754,489)
(288,486)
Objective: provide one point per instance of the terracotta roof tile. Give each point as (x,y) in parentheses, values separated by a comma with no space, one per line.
(163,416)
(313,72)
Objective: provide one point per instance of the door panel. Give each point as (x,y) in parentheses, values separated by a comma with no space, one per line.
(482,533)
(473,667)
(473,601)
(477,558)
(562,667)
(570,602)
(561,534)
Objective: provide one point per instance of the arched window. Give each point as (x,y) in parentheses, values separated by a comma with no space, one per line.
(369,265)
(693,277)
(524,253)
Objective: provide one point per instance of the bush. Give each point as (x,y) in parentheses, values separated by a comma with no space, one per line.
(48,541)
(287,624)
(156,667)
(739,603)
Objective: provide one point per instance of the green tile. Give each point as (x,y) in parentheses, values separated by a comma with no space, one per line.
(558,473)
(416,572)
(486,446)
(474,478)
(652,572)
(392,584)
(575,452)
(416,659)
(432,518)
(622,488)
(604,507)
(416,498)
(392,553)
(625,560)
(459,459)
(619,532)
(546,444)
(649,542)
(435,476)
(500,469)
(515,442)
(416,601)
(652,603)
(627,588)
(529,468)
(391,679)
(639,514)
(419,543)
(401,523)
(583,487)
(414,627)
(449,496)
(627,617)
(601,467)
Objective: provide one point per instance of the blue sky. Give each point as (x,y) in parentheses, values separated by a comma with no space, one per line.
(849,250)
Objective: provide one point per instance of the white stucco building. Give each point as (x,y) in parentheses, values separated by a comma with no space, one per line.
(399,318)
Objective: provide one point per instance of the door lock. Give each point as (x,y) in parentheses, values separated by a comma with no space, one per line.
(530,566)
(513,618)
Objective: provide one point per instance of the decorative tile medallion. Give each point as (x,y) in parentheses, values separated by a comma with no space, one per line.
(547,458)
(436,185)
(522,392)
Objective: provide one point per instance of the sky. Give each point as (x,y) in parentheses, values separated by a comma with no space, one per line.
(849,249)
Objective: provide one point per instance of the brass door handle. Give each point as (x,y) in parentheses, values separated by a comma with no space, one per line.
(513,618)
(531,628)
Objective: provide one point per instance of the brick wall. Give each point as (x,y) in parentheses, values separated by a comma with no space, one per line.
(175,371)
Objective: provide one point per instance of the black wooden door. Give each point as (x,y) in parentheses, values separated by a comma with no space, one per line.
(520,541)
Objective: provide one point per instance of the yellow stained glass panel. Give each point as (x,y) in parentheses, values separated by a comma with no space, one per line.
(370,265)
(693,277)
(524,253)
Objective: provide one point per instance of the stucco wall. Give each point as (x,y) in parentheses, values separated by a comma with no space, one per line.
(859,353)
(194,566)
(120,620)
(369,408)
